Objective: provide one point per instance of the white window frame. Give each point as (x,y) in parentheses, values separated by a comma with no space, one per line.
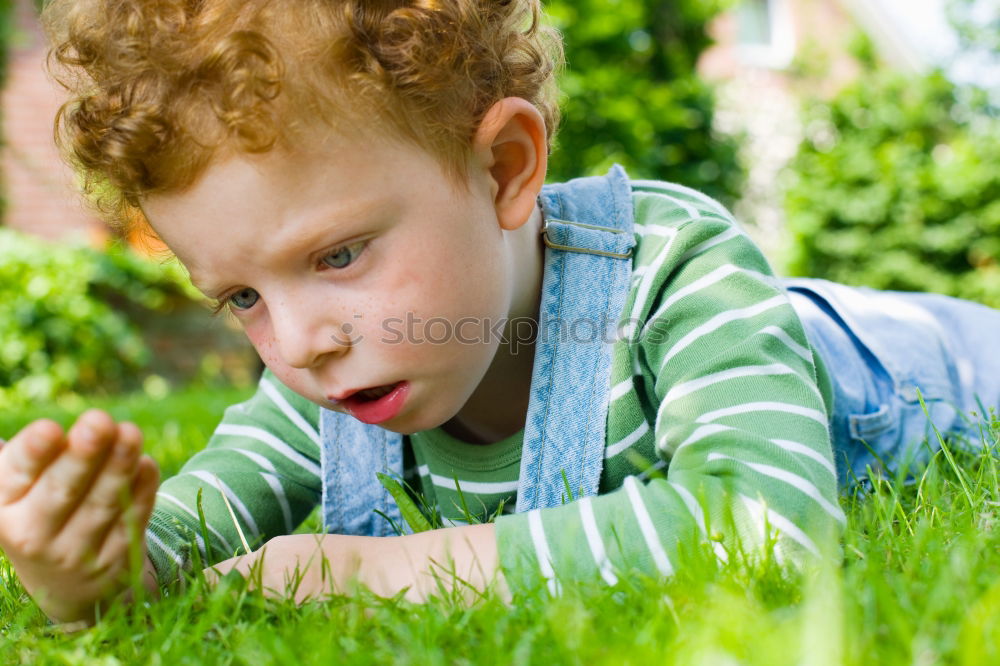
(779,52)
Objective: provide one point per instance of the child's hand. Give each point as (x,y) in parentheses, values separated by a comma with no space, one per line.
(68,504)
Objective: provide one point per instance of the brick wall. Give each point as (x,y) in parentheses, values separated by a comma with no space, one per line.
(762,101)
(42,200)
(38,186)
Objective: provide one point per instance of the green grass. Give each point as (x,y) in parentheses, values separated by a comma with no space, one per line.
(919,584)
(173,427)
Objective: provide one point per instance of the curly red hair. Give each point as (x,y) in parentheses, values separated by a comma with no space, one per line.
(160,88)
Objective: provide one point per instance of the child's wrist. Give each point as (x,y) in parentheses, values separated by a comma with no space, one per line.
(73,617)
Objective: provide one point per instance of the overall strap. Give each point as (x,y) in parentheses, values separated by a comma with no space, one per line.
(587,269)
(351,453)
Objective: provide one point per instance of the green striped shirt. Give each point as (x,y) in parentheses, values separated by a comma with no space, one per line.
(717,431)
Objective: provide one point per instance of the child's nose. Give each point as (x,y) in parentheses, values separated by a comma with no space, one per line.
(305,335)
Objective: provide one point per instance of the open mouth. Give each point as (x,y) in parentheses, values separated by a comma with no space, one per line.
(378,404)
(375,393)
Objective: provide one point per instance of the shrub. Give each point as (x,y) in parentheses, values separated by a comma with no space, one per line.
(631,94)
(896,186)
(63,327)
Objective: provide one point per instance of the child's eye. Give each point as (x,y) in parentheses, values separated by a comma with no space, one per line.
(244,299)
(342,257)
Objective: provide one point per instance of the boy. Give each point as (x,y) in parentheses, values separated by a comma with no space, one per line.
(361,185)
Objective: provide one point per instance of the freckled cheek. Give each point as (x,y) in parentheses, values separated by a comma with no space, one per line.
(262,339)
(450,292)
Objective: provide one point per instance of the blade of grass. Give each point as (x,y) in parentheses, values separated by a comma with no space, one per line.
(947,452)
(407,509)
(232,514)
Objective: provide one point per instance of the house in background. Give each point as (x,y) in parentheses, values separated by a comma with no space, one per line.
(770,55)
(39,196)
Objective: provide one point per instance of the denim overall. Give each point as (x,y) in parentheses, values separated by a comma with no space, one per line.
(885,351)
(880,348)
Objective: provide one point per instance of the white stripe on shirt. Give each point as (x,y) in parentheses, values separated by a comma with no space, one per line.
(704,282)
(658,186)
(795,447)
(620,389)
(260,460)
(478,487)
(178,560)
(201,542)
(720,320)
(764,406)
(627,441)
(646,527)
(698,513)
(266,438)
(680,390)
(537,531)
(650,276)
(700,433)
(595,542)
(652,230)
(272,392)
(234,499)
(728,234)
(689,210)
(791,479)
(763,514)
(279,494)
(781,334)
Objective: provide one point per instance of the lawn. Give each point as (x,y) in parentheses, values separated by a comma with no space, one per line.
(918,584)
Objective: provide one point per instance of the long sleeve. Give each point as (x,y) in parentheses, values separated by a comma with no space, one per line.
(728,396)
(264,456)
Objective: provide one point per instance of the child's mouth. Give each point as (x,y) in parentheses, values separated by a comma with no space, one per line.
(375,393)
(379,404)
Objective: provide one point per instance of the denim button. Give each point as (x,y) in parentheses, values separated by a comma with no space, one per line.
(909,393)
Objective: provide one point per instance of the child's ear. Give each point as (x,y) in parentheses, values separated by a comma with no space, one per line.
(511,144)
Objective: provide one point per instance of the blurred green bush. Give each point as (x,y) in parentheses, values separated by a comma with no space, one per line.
(631,94)
(63,323)
(897,186)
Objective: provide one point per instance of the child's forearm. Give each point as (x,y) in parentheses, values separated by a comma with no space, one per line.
(312,566)
(429,562)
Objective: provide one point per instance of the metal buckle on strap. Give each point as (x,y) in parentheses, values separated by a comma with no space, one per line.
(583,250)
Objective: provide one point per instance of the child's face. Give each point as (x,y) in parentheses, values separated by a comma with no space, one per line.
(352,265)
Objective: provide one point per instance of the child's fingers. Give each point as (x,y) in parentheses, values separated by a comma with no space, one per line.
(130,432)
(133,520)
(60,489)
(92,433)
(108,495)
(144,486)
(26,455)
